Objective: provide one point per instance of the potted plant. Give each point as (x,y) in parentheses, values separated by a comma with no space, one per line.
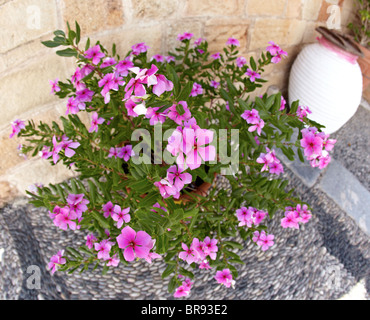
(360,29)
(159,128)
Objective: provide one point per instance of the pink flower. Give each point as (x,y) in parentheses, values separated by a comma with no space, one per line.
(54,86)
(55,150)
(121,216)
(56,261)
(185,36)
(139,48)
(154,116)
(210,247)
(216,55)
(199,247)
(72,106)
(17,126)
(253,75)
(266,159)
(244,215)
(103,247)
(177,178)
(258,126)
(179,112)
(134,244)
(276,168)
(122,68)
(68,145)
(162,85)
(158,58)
(214,84)
(328,144)
(108,209)
(279,56)
(84,95)
(189,255)
(75,198)
(181,292)
(170,59)
(95,54)
(45,152)
(108,62)
(113,261)
(152,255)
(197,90)
(224,277)
(198,42)
(266,241)
(96,120)
(135,85)
(259,216)
(205,265)
(126,152)
(113,152)
(240,62)
(302,112)
(64,219)
(290,220)
(166,189)
(90,239)
(273,48)
(312,144)
(251,116)
(283,104)
(232,42)
(194,148)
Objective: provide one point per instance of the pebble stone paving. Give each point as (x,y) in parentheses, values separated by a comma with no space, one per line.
(323,260)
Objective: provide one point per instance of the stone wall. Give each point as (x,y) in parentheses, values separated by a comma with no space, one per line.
(26,66)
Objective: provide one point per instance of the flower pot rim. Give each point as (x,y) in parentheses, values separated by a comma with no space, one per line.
(342,41)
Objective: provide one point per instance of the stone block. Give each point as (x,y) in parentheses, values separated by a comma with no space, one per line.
(93,15)
(36,171)
(265,8)
(127,37)
(344,188)
(293,9)
(7,193)
(281,31)
(28,88)
(214,8)
(217,31)
(155,9)
(174,28)
(25,20)
(311,9)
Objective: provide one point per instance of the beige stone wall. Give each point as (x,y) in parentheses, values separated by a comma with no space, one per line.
(26,66)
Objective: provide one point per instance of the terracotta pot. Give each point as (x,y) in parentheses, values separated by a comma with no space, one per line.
(201,190)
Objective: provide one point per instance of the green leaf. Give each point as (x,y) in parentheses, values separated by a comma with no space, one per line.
(233,244)
(172,284)
(78,33)
(50,44)
(103,222)
(172,75)
(185,92)
(253,64)
(67,53)
(170,269)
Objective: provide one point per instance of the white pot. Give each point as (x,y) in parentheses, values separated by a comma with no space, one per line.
(330,85)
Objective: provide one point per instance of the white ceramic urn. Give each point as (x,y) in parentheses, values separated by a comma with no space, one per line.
(328,82)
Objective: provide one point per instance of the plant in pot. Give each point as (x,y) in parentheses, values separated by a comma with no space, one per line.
(360,29)
(162,130)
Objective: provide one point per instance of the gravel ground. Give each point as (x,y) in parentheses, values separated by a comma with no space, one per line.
(323,260)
